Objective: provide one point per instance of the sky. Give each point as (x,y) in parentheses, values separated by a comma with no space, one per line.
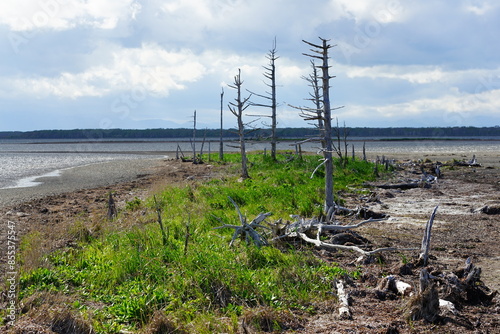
(72,64)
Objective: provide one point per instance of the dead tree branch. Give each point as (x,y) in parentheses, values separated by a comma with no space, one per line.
(247,231)
(426,240)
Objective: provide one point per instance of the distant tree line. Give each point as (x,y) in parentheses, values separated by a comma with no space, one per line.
(262,134)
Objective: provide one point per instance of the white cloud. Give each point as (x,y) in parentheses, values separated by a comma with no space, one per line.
(480,7)
(419,74)
(28,15)
(148,68)
(460,105)
(369,10)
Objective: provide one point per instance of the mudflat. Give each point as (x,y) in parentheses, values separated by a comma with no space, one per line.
(82,177)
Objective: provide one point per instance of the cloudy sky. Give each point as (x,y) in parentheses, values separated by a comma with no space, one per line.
(68,64)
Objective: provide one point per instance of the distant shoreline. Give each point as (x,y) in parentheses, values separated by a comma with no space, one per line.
(41,141)
(303,132)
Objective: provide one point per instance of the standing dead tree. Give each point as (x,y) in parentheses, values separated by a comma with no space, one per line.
(324,117)
(237,108)
(315,96)
(423,258)
(270,74)
(221,142)
(112,212)
(193,142)
(341,135)
(164,234)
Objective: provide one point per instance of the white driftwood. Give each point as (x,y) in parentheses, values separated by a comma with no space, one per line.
(299,228)
(344,312)
(301,225)
(391,283)
(447,306)
(426,240)
(403,288)
(320,243)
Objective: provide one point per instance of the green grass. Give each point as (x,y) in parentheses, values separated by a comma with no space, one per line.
(129,274)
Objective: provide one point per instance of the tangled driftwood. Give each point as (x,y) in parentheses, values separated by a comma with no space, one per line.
(302,228)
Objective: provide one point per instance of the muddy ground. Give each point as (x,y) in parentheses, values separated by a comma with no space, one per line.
(461,230)
(463,227)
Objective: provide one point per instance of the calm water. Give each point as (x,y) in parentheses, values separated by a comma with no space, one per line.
(23,161)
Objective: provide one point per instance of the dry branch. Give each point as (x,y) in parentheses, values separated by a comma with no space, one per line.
(247,231)
(300,228)
(426,240)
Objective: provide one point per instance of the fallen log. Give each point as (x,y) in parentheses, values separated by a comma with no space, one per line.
(404,186)
(471,163)
(392,284)
(344,312)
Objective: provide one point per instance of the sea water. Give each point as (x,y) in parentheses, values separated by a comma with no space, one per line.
(22,162)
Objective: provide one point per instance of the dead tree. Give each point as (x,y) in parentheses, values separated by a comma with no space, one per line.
(270,74)
(193,143)
(247,231)
(237,108)
(344,312)
(325,115)
(164,234)
(221,142)
(112,212)
(315,96)
(425,304)
(426,240)
(196,159)
(341,135)
(304,228)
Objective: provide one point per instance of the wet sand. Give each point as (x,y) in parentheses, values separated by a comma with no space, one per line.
(82,177)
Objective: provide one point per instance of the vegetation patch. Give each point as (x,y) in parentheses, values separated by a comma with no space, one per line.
(129,279)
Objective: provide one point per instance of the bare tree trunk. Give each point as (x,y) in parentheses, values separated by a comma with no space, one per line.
(327,119)
(344,312)
(426,240)
(193,144)
(324,116)
(112,212)
(221,143)
(237,110)
(270,74)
